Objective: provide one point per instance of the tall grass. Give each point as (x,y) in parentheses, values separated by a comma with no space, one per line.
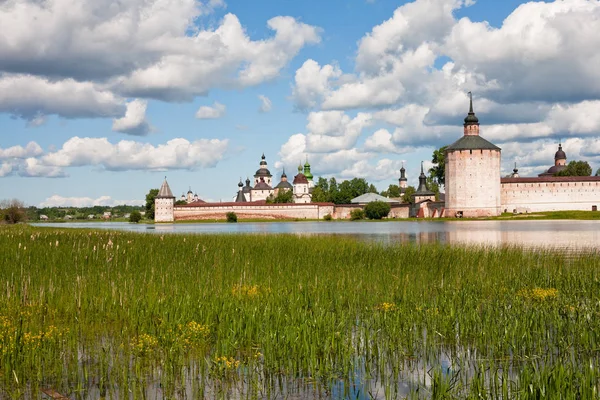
(110,314)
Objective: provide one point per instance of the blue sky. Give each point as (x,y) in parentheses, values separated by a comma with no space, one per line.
(98,102)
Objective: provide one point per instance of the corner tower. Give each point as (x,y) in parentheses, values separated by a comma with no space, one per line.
(472,173)
(164,204)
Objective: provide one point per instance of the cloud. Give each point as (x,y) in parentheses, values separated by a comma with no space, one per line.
(134,122)
(60,201)
(224,57)
(331,131)
(265,104)
(216,111)
(31,97)
(129,155)
(32,149)
(83,59)
(312,83)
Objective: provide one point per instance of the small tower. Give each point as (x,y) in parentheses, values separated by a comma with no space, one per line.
(247,189)
(560,162)
(164,204)
(515,173)
(423,193)
(284,185)
(472,173)
(263,172)
(190,196)
(240,194)
(402,182)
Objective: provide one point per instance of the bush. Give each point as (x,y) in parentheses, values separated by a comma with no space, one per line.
(327,217)
(135,216)
(231,217)
(12,211)
(357,214)
(377,209)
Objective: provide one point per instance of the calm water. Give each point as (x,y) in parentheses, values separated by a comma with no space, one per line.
(558,234)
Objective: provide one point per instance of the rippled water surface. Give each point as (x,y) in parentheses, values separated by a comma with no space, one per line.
(573,234)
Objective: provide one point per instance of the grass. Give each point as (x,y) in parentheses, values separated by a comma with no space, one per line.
(95,314)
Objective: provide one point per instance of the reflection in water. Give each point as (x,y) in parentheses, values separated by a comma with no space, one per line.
(556,234)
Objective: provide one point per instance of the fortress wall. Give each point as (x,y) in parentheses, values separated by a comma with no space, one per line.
(550,195)
(472,183)
(264,211)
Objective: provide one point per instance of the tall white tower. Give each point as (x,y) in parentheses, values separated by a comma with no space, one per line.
(164,204)
(472,173)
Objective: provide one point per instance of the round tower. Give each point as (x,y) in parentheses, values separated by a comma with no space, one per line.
(164,204)
(402,182)
(472,173)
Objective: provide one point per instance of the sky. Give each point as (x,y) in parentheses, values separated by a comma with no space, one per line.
(100,100)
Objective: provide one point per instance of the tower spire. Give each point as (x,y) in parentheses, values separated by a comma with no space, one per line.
(471,121)
(471,103)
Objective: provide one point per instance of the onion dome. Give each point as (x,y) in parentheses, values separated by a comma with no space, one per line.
(471,119)
(190,191)
(560,154)
(263,160)
(300,167)
(283,175)
(240,185)
(307,172)
(247,181)
(403,173)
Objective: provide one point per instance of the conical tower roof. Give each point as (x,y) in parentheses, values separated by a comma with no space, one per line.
(165,190)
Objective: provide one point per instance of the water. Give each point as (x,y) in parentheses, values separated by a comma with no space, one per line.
(559,234)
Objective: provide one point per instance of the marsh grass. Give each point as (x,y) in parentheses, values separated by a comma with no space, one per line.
(111,314)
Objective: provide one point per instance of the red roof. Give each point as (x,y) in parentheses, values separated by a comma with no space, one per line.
(551,179)
(300,178)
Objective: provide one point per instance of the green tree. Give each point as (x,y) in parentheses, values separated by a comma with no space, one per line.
(392,191)
(433,186)
(407,196)
(319,195)
(286,196)
(372,188)
(576,168)
(598,172)
(377,209)
(150,203)
(438,171)
(231,216)
(180,202)
(12,211)
(135,216)
(357,214)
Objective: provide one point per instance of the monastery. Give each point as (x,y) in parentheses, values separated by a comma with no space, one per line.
(474,188)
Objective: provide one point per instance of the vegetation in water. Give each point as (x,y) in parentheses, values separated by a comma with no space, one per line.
(93,314)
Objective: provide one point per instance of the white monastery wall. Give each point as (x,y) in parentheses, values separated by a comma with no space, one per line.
(534,194)
(266,211)
(472,183)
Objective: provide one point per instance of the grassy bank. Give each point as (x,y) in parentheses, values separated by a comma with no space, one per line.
(109,314)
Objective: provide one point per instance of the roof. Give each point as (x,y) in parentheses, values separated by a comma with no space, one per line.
(553,170)
(284,185)
(263,172)
(551,179)
(165,191)
(369,197)
(560,154)
(240,197)
(300,178)
(472,142)
(262,185)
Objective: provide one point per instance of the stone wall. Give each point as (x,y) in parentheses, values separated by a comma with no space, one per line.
(550,193)
(473,183)
(244,211)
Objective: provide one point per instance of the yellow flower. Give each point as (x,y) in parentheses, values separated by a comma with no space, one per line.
(385,307)
(538,294)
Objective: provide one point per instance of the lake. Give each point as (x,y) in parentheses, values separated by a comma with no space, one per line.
(572,234)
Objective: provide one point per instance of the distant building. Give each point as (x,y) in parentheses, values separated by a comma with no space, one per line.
(43,217)
(402,182)
(560,162)
(301,188)
(164,204)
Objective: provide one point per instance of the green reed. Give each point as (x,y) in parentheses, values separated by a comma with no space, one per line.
(110,314)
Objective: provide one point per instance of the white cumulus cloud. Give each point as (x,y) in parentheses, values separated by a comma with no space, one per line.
(134,122)
(207,112)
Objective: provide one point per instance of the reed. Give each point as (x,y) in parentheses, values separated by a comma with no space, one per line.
(108,314)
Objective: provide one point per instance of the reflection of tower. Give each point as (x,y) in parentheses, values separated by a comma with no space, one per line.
(308,174)
(403,182)
(472,173)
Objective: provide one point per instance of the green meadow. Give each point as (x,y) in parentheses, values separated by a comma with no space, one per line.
(114,315)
